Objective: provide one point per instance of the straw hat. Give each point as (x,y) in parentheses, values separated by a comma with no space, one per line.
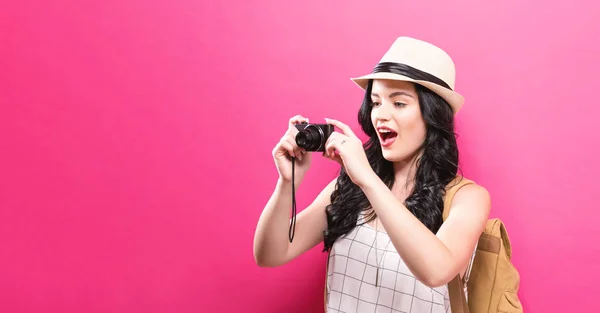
(430,66)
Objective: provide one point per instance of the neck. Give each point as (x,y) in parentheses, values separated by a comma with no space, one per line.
(404,175)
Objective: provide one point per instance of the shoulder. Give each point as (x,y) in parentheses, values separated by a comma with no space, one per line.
(462,187)
(470,198)
(472,193)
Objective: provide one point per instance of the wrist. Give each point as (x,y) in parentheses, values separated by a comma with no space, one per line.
(283,182)
(371,180)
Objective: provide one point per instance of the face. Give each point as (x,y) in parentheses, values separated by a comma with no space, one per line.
(397,118)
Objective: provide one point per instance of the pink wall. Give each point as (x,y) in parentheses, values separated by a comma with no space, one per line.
(136,140)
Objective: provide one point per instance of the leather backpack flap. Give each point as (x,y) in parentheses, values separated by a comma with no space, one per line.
(494,281)
(507,276)
(482,281)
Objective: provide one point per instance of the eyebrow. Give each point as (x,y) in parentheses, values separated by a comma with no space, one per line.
(394,94)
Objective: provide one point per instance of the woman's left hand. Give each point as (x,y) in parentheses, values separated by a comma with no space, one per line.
(350,153)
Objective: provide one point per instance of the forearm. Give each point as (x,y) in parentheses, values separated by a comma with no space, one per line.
(271,237)
(424,254)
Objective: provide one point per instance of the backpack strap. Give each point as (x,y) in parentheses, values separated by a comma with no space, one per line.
(326,287)
(451,190)
(458,300)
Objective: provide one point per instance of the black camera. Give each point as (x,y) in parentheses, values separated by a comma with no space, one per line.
(312,137)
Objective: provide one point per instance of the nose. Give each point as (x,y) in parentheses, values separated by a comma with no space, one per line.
(382,112)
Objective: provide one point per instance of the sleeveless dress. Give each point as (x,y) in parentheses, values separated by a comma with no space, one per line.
(351,277)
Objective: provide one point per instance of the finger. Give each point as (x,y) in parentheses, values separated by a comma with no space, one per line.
(302,153)
(286,146)
(297,119)
(338,159)
(330,148)
(334,157)
(292,141)
(337,138)
(334,136)
(345,128)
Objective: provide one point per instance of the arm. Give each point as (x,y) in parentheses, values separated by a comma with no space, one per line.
(271,243)
(433,259)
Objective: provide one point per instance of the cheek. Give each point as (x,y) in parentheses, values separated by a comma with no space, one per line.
(373,120)
(415,130)
(420,131)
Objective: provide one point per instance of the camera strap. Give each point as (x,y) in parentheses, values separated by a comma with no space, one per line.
(292,230)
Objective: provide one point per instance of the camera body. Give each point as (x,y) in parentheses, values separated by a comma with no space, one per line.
(312,137)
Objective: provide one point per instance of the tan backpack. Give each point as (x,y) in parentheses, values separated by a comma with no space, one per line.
(492,281)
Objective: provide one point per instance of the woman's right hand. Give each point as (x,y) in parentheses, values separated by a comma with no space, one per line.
(287,148)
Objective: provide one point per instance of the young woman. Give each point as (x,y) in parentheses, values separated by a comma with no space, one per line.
(381,219)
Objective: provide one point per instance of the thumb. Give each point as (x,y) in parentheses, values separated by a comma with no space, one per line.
(336,157)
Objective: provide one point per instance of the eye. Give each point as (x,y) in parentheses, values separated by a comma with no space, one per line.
(375,103)
(399,104)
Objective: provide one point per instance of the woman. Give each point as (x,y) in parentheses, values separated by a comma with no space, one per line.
(381,220)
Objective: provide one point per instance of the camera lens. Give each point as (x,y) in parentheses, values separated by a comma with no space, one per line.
(310,138)
(301,139)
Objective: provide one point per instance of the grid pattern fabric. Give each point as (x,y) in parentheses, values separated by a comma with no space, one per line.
(351,276)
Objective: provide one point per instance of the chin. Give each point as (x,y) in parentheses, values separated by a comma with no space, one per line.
(390,156)
(393,155)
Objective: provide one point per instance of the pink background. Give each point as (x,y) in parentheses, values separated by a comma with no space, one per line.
(136,140)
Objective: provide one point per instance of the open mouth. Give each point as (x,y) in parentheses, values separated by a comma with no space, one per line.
(387,136)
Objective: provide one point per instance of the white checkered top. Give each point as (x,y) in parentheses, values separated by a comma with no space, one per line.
(351,278)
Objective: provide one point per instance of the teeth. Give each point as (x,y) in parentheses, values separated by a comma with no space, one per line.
(384,131)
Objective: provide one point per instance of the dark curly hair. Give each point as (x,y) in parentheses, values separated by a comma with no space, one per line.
(436,167)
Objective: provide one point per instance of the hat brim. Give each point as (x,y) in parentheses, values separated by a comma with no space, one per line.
(453,98)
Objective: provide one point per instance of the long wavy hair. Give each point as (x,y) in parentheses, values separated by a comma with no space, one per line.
(436,167)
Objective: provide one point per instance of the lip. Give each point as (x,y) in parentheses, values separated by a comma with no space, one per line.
(385,128)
